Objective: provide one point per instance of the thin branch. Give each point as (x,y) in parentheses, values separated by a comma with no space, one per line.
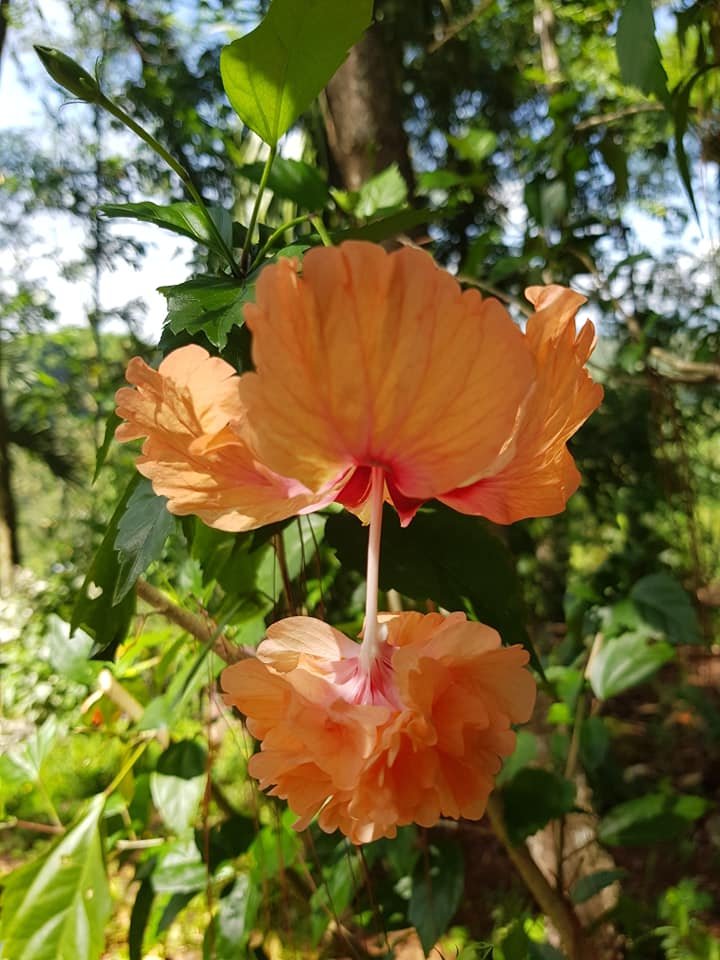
(453,29)
(553,903)
(601,119)
(203,630)
(686,371)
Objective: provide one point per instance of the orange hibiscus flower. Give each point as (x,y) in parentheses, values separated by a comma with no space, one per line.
(418,736)
(369,364)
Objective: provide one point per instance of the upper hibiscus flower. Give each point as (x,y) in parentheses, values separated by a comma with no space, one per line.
(419,736)
(369,361)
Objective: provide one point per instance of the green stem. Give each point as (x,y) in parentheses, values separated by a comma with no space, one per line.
(274,236)
(256,207)
(126,767)
(177,168)
(322,232)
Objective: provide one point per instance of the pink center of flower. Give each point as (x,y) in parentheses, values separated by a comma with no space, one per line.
(374,684)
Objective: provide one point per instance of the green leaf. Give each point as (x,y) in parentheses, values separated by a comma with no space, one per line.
(638,52)
(142,532)
(524,753)
(587,887)
(235,918)
(383,228)
(68,652)
(292,180)
(650,819)
(626,661)
(55,907)
(187,219)
(476,145)
(112,422)
(301,538)
(69,74)
(272,74)
(35,749)
(446,557)
(178,783)
(180,868)
(385,191)
(211,305)
(141,910)
(436,892)
(95,609)
(665,605)
(532,799)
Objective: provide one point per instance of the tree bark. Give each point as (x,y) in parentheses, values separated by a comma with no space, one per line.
(9,546)
(362,115)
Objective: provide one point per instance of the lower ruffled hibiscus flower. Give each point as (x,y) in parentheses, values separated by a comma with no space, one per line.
(415,734)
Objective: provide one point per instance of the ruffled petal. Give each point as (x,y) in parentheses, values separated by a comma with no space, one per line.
(195,452)
(541,475)
(369,358)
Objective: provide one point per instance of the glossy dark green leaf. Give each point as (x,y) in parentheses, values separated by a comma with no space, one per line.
(626,661)
(292,180)
(185,218)
(142,531)
(638,52)
(437,887)
(139,917)
(56,907)
(665,605)
(185,759)
(95,609)
(442,556)
(235,918)
(382,228)
(586,887)
(273,74)
(532,799)
(211,305)
(179,869)
(650,819)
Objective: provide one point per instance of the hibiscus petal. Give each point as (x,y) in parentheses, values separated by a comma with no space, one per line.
(541,475)
(372,358)
(191,414)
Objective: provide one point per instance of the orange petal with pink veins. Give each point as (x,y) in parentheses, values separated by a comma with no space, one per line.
(195,452)
(541,475)
(373,358)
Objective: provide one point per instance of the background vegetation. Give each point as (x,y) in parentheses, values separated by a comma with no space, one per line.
(529,142)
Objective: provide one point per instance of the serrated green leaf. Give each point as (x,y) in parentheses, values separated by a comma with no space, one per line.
(142,531)
(55,907)
(442,556)
(95,610)
(638,52)
(211,305)
(624,662)
(185,218)
(593,883)
(273,74)
(437,888)
(532,799)
(292,180)
(385,191)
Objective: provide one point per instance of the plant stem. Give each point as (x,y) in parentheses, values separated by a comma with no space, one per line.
(322,232)
(296,221)
(177,168)
(256,208)
(370,640)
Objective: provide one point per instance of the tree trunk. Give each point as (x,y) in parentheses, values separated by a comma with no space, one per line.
(4,14)
(9,548)
(362,114)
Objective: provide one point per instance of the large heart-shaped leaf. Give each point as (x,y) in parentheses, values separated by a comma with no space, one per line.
(273,73)
(55,907)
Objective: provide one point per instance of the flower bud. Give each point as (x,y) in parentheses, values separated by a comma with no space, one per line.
(69,74)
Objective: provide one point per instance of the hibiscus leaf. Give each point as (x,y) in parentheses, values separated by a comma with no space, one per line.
(142,532)
(187,219)
(56,906)
(437,887)
(292,180)
(445,557)
(273,74)
(209,305)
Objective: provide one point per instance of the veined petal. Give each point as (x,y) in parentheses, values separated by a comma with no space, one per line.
(370,358)
(541,475)
(195,453)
